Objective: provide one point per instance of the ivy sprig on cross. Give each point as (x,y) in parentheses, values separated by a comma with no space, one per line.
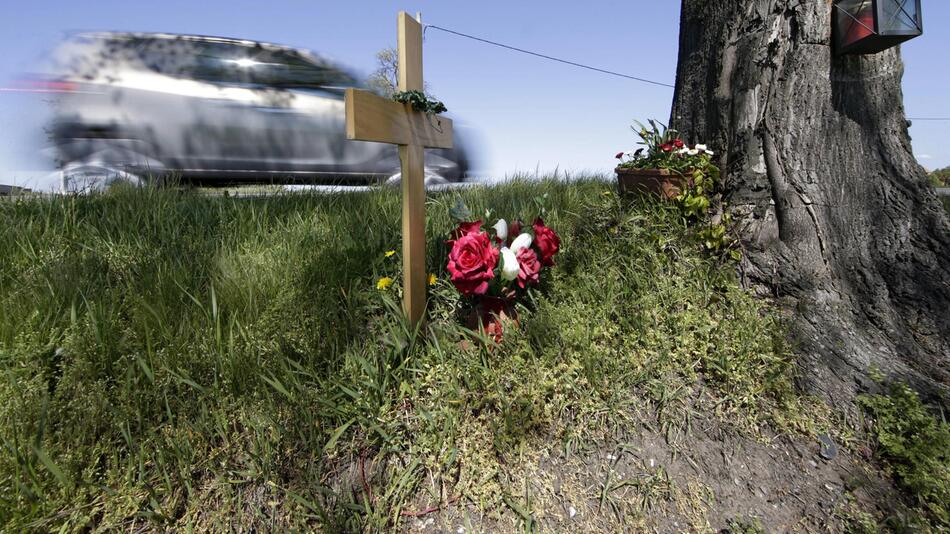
(373,118)
(420,102)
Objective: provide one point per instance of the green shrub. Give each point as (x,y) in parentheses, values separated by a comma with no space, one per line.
(940,177)
(916,447)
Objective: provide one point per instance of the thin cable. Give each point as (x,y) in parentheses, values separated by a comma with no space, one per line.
(612,73)
(552,58)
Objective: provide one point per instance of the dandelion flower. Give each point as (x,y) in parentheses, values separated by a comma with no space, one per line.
(384,283)
(390,253)
(432,279)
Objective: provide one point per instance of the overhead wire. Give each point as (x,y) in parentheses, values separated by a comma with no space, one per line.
(591,67)
(545,56)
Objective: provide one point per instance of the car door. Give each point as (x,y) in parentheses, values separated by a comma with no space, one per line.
(308,119)
(226,129)
(303,114)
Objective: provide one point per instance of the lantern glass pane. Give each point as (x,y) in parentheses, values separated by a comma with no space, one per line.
(898,16)
(857,20)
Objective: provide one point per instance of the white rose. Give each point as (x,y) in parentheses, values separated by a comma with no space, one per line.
(509,264)
(701,148)
(710,152)
(522,241)
(683,150)
(501,229)
(693,152)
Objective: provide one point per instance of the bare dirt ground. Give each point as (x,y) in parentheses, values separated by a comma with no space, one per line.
(712,479)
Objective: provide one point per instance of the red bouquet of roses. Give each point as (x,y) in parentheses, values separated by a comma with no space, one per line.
(494,266)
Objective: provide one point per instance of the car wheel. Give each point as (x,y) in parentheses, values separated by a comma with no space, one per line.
(84,178)
(432,180)
(100,170)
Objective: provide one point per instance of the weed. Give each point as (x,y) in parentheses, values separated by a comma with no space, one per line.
(915,444)
(745,526)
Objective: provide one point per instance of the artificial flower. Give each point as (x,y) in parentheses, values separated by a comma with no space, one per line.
(529,267)
(501,230)
(547,242)
(509,265)
(522,241)
(464,229)
(515,228)
(472,263)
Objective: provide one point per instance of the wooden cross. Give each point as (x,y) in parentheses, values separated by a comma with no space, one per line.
(372,118)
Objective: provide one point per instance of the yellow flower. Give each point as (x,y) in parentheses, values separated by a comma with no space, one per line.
(384,283)
(432,279)
(390,253)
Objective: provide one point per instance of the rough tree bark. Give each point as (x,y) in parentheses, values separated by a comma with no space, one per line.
(838,222)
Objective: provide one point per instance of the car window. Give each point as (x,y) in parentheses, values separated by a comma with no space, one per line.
(218,63)
(280,68)
(233,63)
(187,58)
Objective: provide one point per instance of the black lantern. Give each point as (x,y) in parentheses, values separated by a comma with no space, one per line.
(871,26)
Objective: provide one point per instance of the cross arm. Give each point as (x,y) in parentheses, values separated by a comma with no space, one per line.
(373,118)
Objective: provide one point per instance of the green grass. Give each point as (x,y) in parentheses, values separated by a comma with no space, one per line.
(169,360)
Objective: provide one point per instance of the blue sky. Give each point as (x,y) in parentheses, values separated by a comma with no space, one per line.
(530,113)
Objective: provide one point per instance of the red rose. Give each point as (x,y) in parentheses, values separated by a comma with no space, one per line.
(547,242)
(666,148)
(472,262)
(529,267)
(619,155)
(678,143)
(464,229)
(514,230)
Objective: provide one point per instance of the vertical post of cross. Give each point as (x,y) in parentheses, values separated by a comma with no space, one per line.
(413,178)
(370,117)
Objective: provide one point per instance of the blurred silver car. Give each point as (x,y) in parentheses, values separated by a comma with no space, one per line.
(212,110)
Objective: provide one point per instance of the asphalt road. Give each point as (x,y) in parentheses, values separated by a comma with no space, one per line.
(51,182)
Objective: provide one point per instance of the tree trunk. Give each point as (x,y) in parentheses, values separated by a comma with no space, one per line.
(836,216)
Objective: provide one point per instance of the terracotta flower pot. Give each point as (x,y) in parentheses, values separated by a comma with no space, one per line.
(493,314)
(660,182)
